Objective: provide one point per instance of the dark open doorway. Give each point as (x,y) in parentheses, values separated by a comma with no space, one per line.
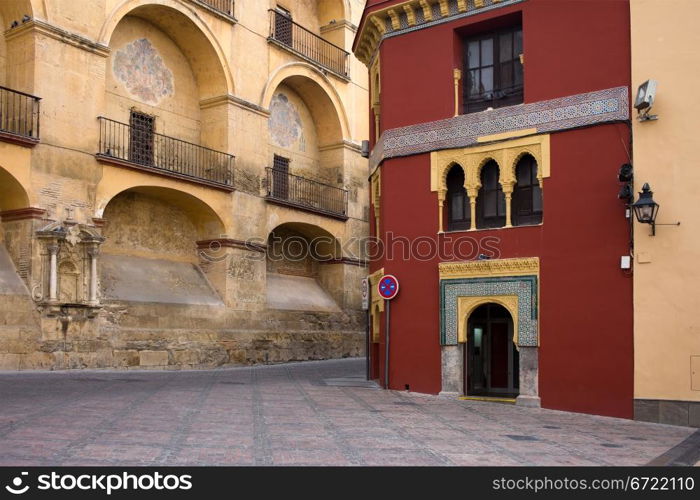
(491,358)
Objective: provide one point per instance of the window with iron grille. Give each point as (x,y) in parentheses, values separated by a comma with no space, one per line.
(491,202)
(458,209)
(283,26)
(527,194)
(280,177)
(142,127)
(493,70)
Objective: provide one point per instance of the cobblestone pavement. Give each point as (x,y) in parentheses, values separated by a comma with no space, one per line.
(292,415)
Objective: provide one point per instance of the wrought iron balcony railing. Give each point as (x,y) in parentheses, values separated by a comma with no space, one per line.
(142,148)
(19,116)
(223,6)
(298,39)
(306,194)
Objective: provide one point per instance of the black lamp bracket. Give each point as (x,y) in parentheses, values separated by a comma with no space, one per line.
(654,224)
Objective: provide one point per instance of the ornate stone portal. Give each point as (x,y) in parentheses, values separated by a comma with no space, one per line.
(464,286)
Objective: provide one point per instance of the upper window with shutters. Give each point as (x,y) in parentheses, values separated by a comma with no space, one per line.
(493,70)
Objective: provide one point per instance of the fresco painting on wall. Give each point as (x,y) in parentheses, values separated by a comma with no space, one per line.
(141,69)
(285,126)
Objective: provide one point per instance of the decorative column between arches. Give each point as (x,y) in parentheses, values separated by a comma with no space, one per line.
(473,193)
(442,195)
(507,188)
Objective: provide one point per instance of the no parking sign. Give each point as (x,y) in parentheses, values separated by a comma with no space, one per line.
(388,287)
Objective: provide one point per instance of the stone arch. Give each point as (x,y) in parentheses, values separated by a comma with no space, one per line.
(333,10)
(194,38)
(323,243)
(476,177)
(447,168)
(519,156)
(116,180)
(157,221)
(318,93)
(13,194)
(468,305)
(302,268)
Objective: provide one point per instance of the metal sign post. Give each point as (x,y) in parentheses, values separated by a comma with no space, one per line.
(365,307)
(388,288)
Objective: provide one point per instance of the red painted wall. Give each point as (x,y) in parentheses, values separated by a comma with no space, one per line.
(569,47)
(585,299)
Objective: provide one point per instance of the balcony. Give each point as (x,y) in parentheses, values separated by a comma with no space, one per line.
(312,196)
(142,149)
(302,42)
(19,117)
(221,7)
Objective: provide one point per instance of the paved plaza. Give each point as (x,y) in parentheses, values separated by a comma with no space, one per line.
(314,413)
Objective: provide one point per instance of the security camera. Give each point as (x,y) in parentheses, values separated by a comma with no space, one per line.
(645,100)
(365,149)
(626,173)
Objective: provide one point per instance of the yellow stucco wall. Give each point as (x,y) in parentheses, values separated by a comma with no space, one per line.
(215,79)
(217,66)
(666,272)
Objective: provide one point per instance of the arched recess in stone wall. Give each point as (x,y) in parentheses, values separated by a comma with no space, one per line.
(12,194)
(320,96)
(158,222)
(180,22)
(15,234)
(302,269)
(117,179)
(333,10)
(150,250)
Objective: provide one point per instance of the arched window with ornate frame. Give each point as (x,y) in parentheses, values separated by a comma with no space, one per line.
(458,209)
(527,193)
(491,201)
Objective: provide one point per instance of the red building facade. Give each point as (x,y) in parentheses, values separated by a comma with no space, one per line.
(498,128)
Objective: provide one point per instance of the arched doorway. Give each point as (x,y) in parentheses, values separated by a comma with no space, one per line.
(491,357)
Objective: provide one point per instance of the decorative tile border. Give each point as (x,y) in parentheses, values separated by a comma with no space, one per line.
(565,113)
(524,287)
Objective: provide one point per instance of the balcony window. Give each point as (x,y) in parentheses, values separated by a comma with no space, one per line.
(527,195)
(491,202)
(141,138)
(458,209)
(305,194)
(19,117)
(221,7)
(137,145)
(310,46)
(493,70)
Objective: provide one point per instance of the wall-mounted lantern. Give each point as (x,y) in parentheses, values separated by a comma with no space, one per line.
(646,209)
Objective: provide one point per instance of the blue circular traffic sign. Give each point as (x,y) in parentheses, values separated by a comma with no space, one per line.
(388,286)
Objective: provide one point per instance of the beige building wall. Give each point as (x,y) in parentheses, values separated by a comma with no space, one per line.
(666,272)
(209,79)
